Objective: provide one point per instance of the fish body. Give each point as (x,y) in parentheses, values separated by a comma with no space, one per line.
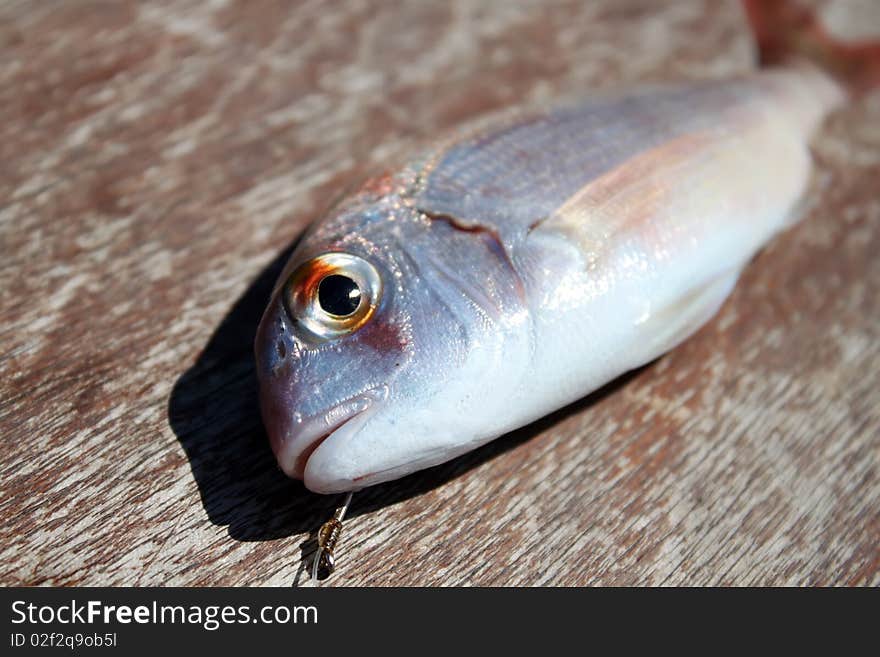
(522,263)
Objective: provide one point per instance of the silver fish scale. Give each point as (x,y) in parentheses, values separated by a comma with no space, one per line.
(511,177)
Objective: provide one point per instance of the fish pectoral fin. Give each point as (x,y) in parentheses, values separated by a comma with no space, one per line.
(671,324)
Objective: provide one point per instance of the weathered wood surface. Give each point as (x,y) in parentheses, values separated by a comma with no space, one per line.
(156,159)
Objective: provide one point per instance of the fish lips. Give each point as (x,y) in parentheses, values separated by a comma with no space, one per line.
(294,443)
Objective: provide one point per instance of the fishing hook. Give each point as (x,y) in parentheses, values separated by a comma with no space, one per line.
(328,537)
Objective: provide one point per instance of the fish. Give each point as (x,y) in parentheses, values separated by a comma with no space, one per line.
(527,259)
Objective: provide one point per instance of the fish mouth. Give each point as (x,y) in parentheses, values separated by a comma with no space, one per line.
(306,435)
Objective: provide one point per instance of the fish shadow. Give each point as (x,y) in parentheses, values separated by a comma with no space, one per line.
(214,412)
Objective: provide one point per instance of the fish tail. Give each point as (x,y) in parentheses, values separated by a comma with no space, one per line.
(787,32)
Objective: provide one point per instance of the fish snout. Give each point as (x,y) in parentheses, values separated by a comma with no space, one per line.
(295,438)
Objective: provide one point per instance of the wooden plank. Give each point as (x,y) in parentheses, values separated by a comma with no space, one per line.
(155,160)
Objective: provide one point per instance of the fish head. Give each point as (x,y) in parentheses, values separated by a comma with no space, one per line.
(374,358)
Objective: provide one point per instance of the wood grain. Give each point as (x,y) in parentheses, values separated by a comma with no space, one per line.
(158,159)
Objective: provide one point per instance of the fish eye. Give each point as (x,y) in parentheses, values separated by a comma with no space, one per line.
(339,295)
(333,294)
